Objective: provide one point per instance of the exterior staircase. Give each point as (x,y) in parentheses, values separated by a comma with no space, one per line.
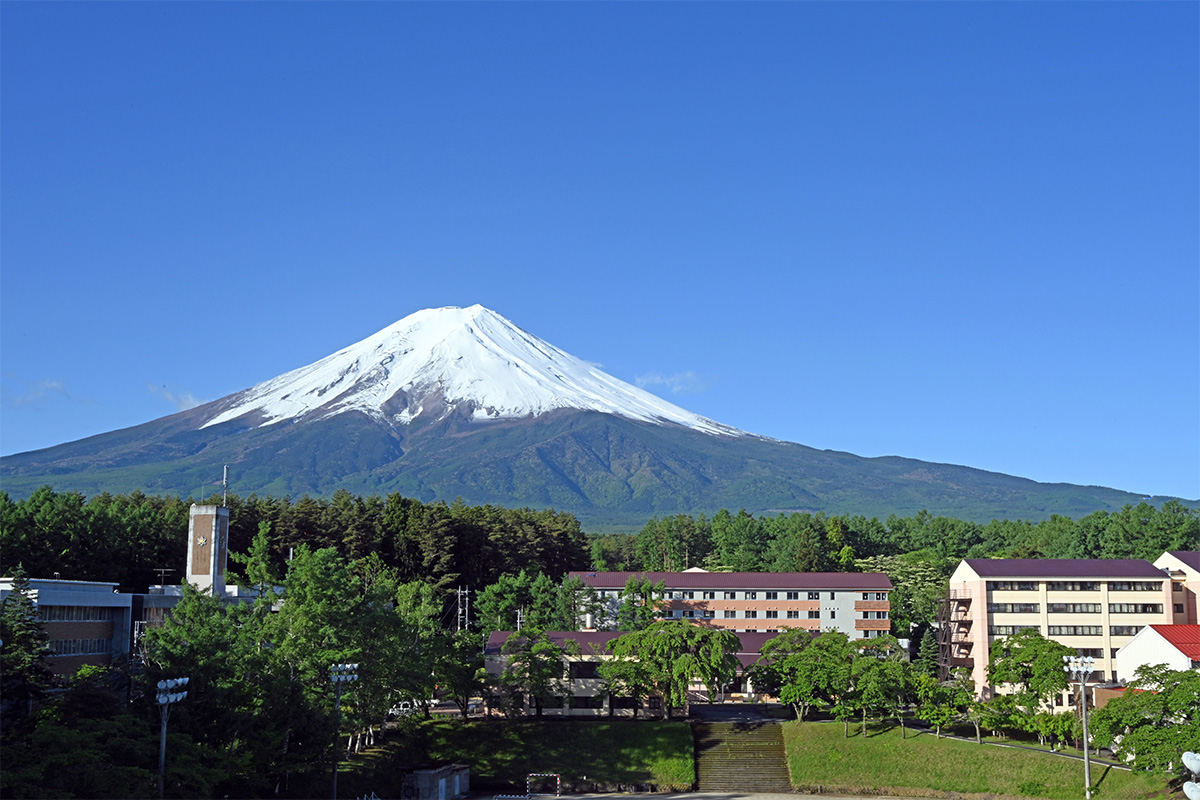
(740,757)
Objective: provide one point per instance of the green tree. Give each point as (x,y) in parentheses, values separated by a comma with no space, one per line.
(458,667)
(535,669)
(24,676)
(1032,664)
(672,654)
(1155,720)
(640,601)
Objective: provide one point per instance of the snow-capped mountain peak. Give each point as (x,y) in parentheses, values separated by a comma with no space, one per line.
(436,361)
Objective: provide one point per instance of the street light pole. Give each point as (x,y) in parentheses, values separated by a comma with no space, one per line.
(1080,668)
(340,674)
(167,698)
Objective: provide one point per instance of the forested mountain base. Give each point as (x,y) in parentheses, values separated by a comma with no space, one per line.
(127,538)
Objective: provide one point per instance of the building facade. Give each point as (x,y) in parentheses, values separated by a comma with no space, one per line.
(1184,569)
(1095,606)
(1177,646)
(86,622)
(857,604)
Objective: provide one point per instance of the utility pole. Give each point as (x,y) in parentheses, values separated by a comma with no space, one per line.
(464,608)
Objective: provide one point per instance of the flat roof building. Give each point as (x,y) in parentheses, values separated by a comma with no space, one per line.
(86,622)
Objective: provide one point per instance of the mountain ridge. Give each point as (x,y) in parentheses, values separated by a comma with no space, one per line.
(558,433)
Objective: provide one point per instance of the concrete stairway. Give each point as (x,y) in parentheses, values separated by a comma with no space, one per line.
(740,757)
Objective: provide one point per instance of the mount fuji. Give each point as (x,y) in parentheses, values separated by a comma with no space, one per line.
(460,402)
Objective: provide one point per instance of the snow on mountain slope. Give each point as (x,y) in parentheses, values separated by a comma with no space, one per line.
(437,360)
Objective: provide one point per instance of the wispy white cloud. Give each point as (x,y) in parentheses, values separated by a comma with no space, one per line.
(36,392)
(182,399)
(679,382)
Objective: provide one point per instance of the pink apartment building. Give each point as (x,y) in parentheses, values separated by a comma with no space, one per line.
(1093,605)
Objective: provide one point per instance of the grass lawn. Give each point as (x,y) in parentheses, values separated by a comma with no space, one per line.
(502,752)
(922,765)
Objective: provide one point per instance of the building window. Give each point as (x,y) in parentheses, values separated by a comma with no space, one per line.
(833,613)
(1135,586)
(1075,630)
(709,614)
(587,701)
(772,595)
(832,596)
(689,614)
(772,615)
(1014,608)
(1073,608)
(1090,652)
(793,615)
(866,595)
(584,669)
(814,595)
(1135,608)
(1177,608)
(1176,587)
(654,703)
(814,613)
(731,595)
(623,702)
(1073,586)
(1009,630)
(751,595)
(730,615)
(793,595)
(751,615)
(1012,586)
(1113,652)
(79,647)
(881,595)
(685,595)
(709,595)
(1124,630)
(74,614)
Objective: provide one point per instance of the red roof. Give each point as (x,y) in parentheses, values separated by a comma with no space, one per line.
(1185,638)
(855,581)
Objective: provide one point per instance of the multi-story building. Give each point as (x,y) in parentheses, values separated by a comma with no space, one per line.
(1093,605)
(86,622)
(1184,569)
(855,603)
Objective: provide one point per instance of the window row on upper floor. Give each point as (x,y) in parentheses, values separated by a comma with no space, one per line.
(1074,586)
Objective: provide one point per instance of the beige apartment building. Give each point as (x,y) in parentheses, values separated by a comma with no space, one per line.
(1093,605)
(855,603)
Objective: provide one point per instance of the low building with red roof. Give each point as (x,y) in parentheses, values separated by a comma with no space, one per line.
(1177,646)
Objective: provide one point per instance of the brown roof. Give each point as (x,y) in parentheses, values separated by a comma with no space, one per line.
(856,581)
(1189,557)
(1064,568)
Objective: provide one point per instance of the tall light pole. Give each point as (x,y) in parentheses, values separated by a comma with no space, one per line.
(340,674)
(1080,668)
(167,697)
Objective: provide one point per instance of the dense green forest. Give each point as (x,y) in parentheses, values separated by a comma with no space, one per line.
(126,538)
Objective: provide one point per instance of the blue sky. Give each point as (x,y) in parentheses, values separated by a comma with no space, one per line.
(958,232)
